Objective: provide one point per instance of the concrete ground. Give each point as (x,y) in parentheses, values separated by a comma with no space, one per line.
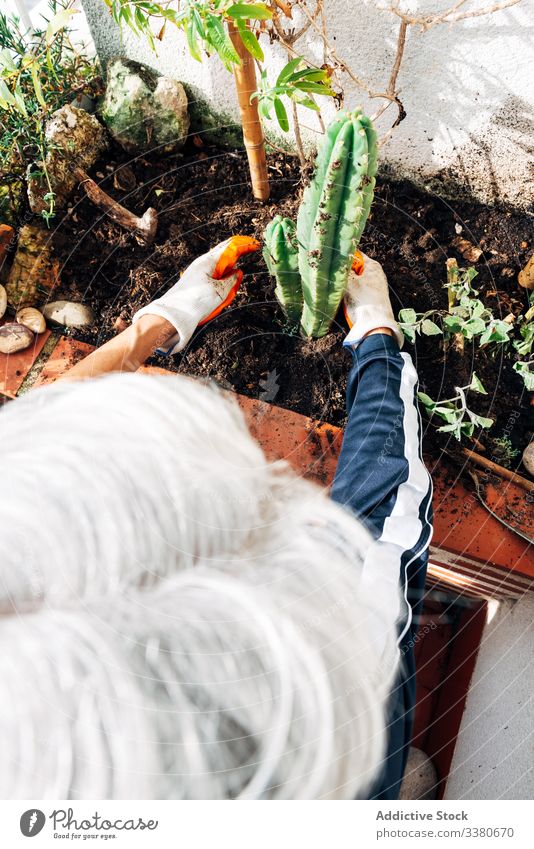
(494,755)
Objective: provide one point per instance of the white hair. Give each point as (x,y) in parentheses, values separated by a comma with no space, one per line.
(179,618)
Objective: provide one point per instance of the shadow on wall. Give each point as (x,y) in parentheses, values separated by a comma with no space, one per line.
(469,129)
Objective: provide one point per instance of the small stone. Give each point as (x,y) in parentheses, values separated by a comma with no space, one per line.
(14,337)
(458,228)
(528,458)
(69,314)
(420,776)
(526,275)
(33,319)
(144,111)
(3,300)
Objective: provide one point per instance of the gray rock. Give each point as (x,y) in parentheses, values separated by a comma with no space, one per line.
(528,458)
(69,314)
(420,777)
(143,110)
(76,139)
(14,337)
(32,318)
(3,300)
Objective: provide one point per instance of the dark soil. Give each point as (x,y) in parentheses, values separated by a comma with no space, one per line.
(204,196)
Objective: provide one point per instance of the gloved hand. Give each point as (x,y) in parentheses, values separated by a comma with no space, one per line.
(367,305)
(205,288)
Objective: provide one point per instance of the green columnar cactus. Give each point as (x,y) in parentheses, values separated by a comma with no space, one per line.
(332,216)
(312,265)
(281,256)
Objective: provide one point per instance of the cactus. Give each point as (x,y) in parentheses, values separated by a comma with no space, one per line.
(281,256)
(332,216)
(330,222)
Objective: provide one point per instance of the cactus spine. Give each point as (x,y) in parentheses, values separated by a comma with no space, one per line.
(281,256)
(331,218)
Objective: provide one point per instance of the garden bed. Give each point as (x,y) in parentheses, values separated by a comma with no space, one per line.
(204,197)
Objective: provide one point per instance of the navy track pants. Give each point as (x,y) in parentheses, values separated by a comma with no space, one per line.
(381,478)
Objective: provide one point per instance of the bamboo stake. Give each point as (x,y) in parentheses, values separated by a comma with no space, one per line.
(245,81)
(485,463)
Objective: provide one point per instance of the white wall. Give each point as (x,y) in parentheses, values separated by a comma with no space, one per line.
(494,755)
(467,89)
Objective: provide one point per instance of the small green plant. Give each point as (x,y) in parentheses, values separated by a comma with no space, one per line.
(503,451)
(330,222)
(524,345)
(414,323)
(39,72)
(525,370)
(467,317)
(459,419)
(297,84)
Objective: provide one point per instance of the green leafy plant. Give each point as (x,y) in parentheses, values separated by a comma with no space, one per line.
(203,22)
(330,222)
(467,317)
(467,314)
(413,323)
(503,451)
(295,83)
(39,72)
(525,344)
(459,419)
(525,370)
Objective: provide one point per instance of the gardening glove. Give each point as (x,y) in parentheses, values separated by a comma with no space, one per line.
(366,303)
(205,288)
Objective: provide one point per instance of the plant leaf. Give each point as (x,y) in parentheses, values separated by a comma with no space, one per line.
(221,42)
(250,41)
(430,328)
(455,429)
(35,70)
(523,369)
(281,114)
(409,331)
(191,34)
(408,316)
(59,21)
(426,400)
(476,384)
(288,69)
(249,11)
(6,97)
(452,323)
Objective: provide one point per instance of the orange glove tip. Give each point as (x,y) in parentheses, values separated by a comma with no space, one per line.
(239,246)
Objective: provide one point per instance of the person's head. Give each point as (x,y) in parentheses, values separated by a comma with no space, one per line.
(178,618)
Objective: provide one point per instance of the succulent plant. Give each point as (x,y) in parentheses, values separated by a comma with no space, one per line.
(332,216)
(281,256)
(330,222)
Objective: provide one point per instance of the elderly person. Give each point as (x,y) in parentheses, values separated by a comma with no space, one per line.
(183,619)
